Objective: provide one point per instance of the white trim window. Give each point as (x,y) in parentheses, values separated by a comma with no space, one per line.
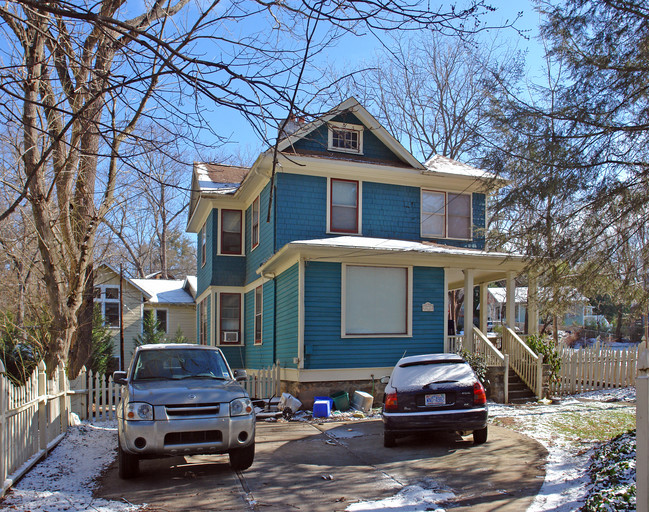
(254,232)
(344,137)
(376,301)
(231,224)
(344,206)
(445,215)
(107,296)
(259,314)
(230,318)
(202,322)
(203,244)
(161,316)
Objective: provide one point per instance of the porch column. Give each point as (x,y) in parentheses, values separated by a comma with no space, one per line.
(532,305)
(468,309)
(510,304)
(484,306)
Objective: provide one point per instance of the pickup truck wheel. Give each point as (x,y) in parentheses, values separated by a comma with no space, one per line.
(129,465)
(242,458)
(480,436)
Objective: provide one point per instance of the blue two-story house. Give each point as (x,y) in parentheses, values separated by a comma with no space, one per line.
(337,258)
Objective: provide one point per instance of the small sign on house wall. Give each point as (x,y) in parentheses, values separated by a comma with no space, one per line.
(428,307)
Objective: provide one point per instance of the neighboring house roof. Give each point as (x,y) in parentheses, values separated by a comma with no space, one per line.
(500,294)
(438,164)
(164,291)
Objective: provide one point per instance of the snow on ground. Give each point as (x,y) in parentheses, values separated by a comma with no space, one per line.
(63,482)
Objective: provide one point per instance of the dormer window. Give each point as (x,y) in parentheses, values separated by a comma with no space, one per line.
(347,138)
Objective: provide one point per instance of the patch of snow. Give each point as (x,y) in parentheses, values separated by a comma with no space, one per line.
(64,480)
(413,498)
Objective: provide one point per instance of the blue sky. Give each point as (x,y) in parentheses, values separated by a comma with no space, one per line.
(352,50)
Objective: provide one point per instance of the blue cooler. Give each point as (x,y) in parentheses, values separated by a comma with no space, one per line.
(321,408)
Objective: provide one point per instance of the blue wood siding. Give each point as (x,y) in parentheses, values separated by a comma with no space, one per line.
(255,257)
(373,149)
(260,356)
(323,345)
(391,211)
(301,208)
(286,325)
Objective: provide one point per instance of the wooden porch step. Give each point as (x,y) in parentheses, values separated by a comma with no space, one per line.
(519,393)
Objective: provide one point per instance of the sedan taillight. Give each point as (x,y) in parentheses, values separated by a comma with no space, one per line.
(479,395)
(390,402)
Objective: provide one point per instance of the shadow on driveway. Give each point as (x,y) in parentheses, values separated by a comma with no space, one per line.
(325,467)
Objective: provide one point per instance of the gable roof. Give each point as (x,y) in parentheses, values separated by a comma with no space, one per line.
(164,291)
(369,121)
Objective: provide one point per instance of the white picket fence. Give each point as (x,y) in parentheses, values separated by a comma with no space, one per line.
(33,419)
(597,367)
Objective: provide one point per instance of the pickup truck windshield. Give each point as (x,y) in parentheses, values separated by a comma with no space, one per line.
(173,364)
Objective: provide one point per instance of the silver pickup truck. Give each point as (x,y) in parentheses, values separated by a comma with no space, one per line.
(182,399)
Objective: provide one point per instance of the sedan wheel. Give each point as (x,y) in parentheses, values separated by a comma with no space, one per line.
(129,465)
(480,436)
(389,439)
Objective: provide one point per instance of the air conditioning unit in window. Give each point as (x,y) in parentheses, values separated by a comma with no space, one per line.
(230,336)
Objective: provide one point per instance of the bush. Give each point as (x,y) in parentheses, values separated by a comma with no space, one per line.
(545,345)
(179,337)
(477,363)
(151,331)
(20,349)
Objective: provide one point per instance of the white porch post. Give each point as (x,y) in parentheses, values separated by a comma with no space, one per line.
(532,305)
(468,309)
(484,307)
(510,305)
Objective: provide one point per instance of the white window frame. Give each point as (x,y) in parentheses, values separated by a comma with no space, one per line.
(259,341)
(446,215)
(243,231)
(102,301)
(166,330)
(202,322)
(255,226)
(409,293)
(347,127)
(359,207)
(241,320)
(203,243)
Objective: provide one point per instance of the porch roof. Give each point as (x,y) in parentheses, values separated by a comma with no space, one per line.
(487,266)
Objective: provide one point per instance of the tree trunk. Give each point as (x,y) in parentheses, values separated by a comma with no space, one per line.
(81,348)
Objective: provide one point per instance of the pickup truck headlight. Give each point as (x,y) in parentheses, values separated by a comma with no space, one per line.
(240,407)
(139,411)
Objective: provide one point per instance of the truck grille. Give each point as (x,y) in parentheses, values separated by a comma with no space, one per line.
(176,411)
(206,436)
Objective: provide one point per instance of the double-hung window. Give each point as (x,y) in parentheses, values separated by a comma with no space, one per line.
(202,322)
(160,317)
(343,207)
(259,310)
(230,318)
(254,236)
(376,301)
(108,299)
(445,215)
(231,232)
(203,245)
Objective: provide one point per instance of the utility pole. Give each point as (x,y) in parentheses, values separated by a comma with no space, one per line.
(121,316)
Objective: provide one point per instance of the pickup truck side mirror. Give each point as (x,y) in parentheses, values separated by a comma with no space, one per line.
(240,375)
(119,378)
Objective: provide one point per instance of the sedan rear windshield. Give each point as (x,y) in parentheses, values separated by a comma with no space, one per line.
(179,364)
(424,374)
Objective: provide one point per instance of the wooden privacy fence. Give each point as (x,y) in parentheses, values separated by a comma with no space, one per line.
(33,419)
(597,367)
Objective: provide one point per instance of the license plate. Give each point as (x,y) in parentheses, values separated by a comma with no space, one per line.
(437,399)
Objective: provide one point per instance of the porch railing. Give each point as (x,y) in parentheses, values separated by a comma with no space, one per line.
(527,365)
(492,356)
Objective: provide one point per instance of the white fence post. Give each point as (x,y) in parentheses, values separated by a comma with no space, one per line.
(3,441)
(43,416)
(642,433)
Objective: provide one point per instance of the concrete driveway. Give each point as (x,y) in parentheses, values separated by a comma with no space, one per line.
(325,467)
